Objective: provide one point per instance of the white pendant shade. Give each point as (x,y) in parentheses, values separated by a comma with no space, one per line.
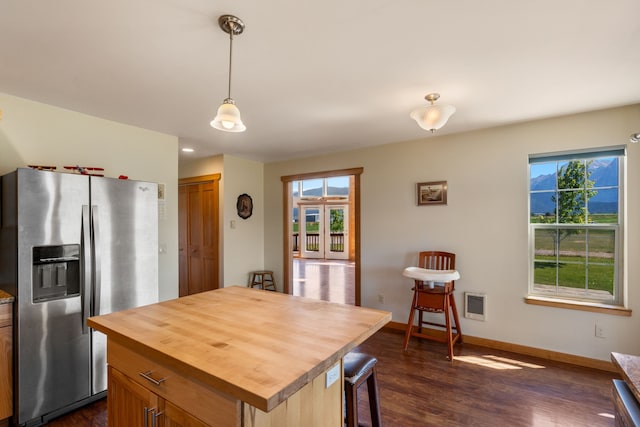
(228,118)
(433,117)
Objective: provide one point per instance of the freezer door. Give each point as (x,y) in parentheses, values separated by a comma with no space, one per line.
(53,353)
(125,227)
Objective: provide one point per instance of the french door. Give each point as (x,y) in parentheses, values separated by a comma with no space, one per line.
(324,231)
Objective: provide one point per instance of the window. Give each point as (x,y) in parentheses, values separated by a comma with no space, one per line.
(336,187)
(575,226)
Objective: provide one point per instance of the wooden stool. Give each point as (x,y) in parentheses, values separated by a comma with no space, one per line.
(263,279)
(358,368)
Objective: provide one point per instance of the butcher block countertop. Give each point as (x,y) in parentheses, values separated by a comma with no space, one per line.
(629,366)
(5,298)
(254,345)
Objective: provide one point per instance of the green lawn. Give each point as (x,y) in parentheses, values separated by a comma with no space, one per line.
(600,241)
(312,227)
(572,272)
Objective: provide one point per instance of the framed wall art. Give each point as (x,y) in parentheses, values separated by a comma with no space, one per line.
(244,206)
(432,193)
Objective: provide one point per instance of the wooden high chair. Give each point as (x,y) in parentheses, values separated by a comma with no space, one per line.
(435,298)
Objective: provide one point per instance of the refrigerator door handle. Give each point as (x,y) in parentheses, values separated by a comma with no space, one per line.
(85,245)
(97,276)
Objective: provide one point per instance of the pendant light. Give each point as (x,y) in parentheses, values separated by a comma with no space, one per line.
(228,117)
(432,117)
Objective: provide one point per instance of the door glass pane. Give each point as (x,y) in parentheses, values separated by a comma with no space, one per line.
(295,243)
(312,216)
(336,226)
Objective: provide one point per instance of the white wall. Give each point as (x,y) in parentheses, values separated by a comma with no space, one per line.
(189,168)
(35,133)
(485,223)
(242,247)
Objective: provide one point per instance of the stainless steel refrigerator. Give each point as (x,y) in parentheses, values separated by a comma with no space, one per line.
(71,246)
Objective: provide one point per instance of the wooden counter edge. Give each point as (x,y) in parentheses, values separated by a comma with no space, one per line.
(617,359)
(260,402)
(296,385)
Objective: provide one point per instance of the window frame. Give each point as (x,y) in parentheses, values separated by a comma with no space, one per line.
(618,299)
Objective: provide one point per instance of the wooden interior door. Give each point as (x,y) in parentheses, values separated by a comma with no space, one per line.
(198,234)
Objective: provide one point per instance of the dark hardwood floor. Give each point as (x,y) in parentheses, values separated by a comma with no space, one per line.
(93,415)
(481,387)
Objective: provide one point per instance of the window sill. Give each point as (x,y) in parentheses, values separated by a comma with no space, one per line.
(615,310)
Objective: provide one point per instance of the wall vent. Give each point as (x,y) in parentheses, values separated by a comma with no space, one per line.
(475,306)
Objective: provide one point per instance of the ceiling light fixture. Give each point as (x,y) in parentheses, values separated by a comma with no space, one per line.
(635,137)
(228,117)
(432,117)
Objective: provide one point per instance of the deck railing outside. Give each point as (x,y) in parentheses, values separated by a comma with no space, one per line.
(312,243)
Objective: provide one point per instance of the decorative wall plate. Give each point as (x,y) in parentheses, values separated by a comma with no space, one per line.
(244,206)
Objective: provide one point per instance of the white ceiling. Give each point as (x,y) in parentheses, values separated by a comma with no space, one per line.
(312,77)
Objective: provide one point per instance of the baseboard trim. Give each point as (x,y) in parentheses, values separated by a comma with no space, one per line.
(556,356)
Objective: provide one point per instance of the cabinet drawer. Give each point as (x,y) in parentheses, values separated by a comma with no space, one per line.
(199,400)
(6,314)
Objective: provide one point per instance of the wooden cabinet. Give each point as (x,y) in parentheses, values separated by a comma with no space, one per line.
(164,398)
(128,403)
(172,416)
(140,387)
(6,359)
(131,404)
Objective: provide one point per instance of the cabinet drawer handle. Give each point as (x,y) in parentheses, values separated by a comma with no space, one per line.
(147,376)
(147,411)
(154,418)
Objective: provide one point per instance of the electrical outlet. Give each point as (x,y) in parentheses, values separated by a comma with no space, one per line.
(381,298)
(599,331)
(332,375)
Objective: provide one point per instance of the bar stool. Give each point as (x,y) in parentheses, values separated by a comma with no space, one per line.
(358,368)
(263,279)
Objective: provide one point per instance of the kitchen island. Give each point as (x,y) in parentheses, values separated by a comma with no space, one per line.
(626,392)
(232,357)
